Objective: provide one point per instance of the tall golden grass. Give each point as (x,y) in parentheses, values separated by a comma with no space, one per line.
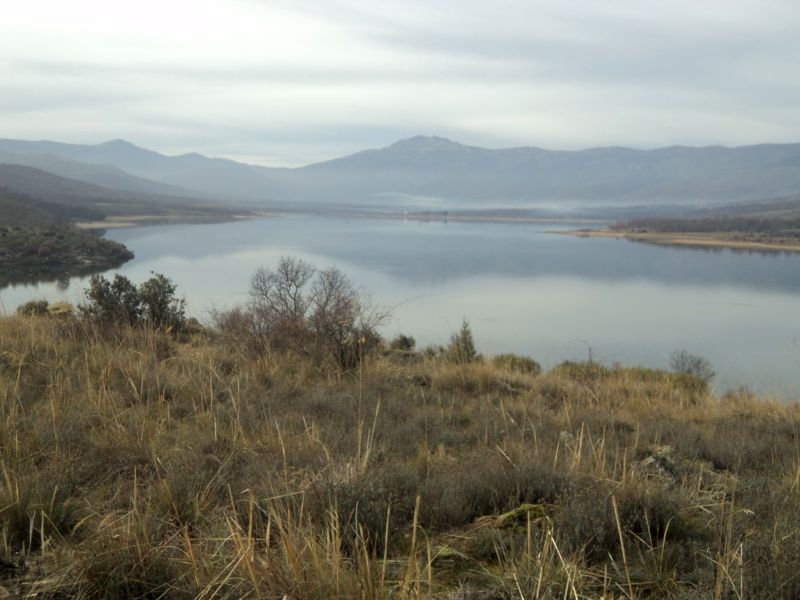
(139,465)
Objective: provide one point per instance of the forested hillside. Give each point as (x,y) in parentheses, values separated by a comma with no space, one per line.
(39,241)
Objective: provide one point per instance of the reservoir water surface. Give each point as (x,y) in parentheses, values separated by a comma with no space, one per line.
(522,288)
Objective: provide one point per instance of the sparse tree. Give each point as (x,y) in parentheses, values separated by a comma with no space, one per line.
(318,313)
(279,303)
(281,291)
(682,361)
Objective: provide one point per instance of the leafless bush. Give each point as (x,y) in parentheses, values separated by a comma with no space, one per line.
(316,313)
(237,327)
(682,361)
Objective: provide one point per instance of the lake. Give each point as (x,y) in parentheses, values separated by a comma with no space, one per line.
(523,290)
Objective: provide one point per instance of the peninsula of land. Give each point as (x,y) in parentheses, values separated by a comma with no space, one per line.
(737,233)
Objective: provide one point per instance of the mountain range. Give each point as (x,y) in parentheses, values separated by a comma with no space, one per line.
(88,201)
(421,167)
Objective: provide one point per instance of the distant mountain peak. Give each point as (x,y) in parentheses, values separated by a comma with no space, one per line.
(118,143)
(426,142)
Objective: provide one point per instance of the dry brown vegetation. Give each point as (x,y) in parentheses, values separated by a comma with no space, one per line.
(136,464)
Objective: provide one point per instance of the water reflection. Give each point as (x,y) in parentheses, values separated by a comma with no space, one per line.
(33,275)
(437,251)
(524,290)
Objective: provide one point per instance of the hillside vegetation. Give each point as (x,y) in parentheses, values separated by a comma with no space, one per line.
(158,463)
(89,201)
(786,207)
(743,228)
(749,233)
(38,241)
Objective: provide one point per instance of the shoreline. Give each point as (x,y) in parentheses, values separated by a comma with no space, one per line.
(421,216)
(691,240)
(467,218)
(126,221)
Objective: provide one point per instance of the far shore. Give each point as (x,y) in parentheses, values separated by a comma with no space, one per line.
(697,240)
(442,216)
(125,221)
(498,218)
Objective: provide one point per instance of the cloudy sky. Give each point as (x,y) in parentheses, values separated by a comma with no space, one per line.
(286,82)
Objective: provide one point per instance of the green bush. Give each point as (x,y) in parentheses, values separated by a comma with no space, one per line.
(120,302)
(403,343)
(160,307)
(462,345)
(112,302)
(34,308)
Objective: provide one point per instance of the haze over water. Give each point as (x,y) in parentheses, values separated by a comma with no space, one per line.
(523,290)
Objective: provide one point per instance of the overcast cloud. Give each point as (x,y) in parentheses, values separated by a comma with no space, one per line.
(286,82)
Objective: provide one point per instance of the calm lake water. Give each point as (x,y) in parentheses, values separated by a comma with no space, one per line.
(523,290)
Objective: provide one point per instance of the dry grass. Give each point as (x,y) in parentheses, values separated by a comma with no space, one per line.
(143,466)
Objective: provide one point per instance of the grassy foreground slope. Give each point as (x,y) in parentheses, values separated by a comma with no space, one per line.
(143,465)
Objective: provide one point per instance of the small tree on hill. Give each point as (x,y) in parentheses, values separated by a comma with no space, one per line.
(279,304)
(112,302)
(462,345)
(159,305)
(317,313)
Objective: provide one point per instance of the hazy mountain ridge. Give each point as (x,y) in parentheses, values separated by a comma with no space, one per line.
(103,175)
(53,189)
(193,173)
(787,207)
(436,166)
(439,167)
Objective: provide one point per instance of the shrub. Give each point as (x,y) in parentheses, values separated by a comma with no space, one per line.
(682,361)
(582,371)
(587,521)
(120,302)
(112,302)
(486,485)
(520,364)
(160,307)
(295,307)
(238,327)
(37,308)
(462,345)
(362,507)
(403,343)
(342,325)
(34,508)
